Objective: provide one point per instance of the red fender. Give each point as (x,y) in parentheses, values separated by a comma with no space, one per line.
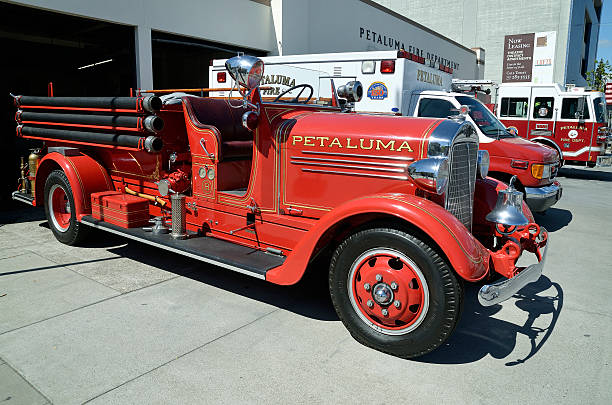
(467,256)
(84,173)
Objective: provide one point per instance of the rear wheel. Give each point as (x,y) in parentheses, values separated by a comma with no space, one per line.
(59,208)
(394,293)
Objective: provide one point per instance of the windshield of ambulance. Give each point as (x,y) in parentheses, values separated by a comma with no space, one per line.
(484,118)
(293,84)
(601,112)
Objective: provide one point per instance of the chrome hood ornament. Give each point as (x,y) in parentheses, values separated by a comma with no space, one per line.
(508,210)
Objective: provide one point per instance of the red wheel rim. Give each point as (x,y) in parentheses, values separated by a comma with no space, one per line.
(388,291)
(59,208)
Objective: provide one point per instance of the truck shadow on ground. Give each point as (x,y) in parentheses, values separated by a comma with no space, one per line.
(479,333)
(14,214)
(554,219)
(585,173)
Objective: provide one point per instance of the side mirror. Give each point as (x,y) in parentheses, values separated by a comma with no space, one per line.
(246,70)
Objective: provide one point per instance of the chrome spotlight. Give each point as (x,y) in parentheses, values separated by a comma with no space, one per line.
(246,70)
(508,210)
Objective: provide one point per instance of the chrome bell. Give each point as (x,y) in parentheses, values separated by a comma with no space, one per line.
(508,210)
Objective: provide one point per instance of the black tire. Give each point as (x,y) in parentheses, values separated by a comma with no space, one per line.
(72,232)
(441,306)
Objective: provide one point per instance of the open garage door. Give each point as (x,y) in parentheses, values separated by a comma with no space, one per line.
(182,62)
(82,57)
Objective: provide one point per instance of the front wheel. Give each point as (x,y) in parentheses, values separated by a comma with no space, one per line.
(59,209)
(393,292)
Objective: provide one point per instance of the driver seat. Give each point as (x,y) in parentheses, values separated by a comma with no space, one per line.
(235,142)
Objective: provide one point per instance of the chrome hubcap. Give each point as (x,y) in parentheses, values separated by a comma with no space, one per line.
(382,294)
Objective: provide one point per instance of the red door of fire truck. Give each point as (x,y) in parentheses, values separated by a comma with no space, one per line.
(574,128)
(543,112)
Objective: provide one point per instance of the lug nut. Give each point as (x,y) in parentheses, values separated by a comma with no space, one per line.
(385,312)
(367,286)
(394,286)
(397,303)
(378,277)
(370,303)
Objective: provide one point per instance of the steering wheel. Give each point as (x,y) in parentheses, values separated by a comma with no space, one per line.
(296,99)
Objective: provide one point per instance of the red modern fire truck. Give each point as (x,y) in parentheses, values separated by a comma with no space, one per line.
(572,120)
(406,84)
(395,211)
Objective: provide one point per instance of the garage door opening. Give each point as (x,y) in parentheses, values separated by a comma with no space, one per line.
(82,57)
(182,62)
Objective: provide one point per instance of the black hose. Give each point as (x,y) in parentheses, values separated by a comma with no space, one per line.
(151,123)
(154,143)
(146,103)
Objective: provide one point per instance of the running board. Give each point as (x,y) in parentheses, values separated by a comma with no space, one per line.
(22,197)
(215,251)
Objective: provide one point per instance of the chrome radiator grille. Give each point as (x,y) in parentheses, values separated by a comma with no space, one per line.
(463,159)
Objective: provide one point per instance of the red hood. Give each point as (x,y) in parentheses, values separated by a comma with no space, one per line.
(520,148)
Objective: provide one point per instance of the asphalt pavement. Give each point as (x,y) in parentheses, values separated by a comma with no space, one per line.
(118,322)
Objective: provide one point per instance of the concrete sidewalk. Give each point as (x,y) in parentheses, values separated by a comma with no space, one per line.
(121,322)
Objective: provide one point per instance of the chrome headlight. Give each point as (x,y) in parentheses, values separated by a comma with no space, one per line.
(483,163)
(430,174)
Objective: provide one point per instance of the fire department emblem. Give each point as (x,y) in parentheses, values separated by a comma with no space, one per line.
(378,91)
(572,134)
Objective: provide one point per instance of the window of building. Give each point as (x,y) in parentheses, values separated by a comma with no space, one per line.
(569,108)
(598,4)
(514,107)
(587,41)
(435,107)
(543,107)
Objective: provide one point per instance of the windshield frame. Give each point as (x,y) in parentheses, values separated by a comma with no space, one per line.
(498,129)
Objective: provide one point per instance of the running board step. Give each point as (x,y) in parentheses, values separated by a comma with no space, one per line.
(215,251)
(23,197)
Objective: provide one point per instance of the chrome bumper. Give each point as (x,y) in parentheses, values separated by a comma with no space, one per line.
(491,294)
(540,199)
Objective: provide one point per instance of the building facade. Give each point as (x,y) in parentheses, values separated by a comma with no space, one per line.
(486,23)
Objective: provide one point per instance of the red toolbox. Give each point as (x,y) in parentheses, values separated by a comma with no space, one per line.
(124,210)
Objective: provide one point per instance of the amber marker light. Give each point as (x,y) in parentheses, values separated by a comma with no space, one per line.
(537,171)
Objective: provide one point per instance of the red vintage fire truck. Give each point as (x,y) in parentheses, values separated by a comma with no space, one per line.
(572,120)
(395,211)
